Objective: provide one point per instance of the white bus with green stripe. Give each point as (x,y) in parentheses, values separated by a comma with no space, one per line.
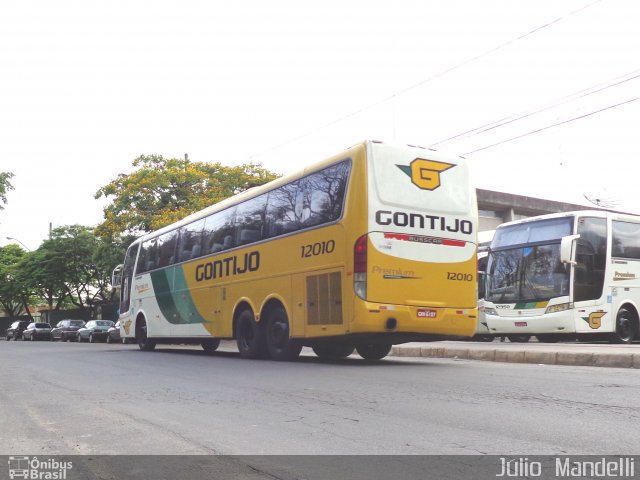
(566,276)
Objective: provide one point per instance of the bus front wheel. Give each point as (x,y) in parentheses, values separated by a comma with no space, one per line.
(210,345)
(373,351)
(519,338)
(279,343)
(626,327)
(144,342)
(249,336)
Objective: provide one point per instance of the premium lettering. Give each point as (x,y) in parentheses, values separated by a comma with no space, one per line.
(229,266)
(417,220)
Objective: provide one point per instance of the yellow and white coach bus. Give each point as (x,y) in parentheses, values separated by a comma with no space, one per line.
(373,247)
(567,275)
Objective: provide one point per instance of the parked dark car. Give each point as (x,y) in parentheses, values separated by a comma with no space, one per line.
(95,330)
(37,331)
(67,330)
(16,329)
(113,334)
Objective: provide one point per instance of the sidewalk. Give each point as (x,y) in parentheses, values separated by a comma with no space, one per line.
(582,354)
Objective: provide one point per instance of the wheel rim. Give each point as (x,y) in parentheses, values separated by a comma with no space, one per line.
(279,333)
(143,335)
(247,335)
(624,328)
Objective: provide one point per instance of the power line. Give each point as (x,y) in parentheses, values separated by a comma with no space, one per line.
(554,125)
(427,80)
(528,113)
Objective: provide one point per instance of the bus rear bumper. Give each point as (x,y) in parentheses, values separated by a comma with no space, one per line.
(440,322)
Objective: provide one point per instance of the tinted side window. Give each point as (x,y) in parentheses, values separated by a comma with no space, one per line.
(626,240)
(250,220)
(190,241)
(219,232)
(323,195)
(167,248)
(148,258)
(281,210)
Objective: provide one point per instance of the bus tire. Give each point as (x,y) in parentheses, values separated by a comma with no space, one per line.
(482,338)
(279,344)
(519,338)
(333,351)
(144,343)
(210,345)
(626,327)
(552,338)
(373,351)
(249,336)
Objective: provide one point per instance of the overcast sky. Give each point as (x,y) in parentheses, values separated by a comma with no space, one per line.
(87,86)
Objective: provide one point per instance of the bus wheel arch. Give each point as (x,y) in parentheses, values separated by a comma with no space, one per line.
(626,324)
(249,334)
(144,342)
(277,327)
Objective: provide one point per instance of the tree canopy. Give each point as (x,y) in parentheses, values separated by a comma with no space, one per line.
(5,186)
(13,295)
(70,269)
(162,191)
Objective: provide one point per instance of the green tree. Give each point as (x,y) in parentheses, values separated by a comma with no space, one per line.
(162,191)
(73,268)
(5,186)
(14,294)
(39,272)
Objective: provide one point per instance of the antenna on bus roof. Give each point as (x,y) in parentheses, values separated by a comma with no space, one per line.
(602,202)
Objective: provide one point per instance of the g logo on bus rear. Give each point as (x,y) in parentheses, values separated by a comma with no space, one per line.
(425,174)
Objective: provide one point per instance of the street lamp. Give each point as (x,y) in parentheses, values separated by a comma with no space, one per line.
(16,240)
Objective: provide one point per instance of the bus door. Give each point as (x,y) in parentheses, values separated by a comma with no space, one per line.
(589,273)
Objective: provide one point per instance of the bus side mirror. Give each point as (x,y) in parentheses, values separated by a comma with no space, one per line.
(566,249)
(116,276)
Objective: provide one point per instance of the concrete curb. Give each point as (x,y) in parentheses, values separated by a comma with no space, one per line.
(522,354)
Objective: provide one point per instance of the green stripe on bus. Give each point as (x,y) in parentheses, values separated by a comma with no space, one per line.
(529,305)
(176,304)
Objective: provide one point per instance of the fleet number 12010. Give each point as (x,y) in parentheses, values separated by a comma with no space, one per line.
(318,248)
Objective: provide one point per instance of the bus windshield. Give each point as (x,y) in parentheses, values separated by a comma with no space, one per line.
(527,274)
(525,262)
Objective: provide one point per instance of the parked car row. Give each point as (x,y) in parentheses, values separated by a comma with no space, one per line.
(66,331)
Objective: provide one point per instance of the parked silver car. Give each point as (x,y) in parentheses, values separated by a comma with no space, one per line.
(37,331)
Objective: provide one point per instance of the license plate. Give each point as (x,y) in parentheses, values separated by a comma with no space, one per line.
(426,313)
(521,324)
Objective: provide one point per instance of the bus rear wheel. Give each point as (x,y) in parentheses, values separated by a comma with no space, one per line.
(144,343)
(249,336)
(210,345)
(279,343)
(373,351)
(626,327)
(333,351)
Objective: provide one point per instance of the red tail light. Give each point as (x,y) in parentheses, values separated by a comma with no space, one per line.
(360,267)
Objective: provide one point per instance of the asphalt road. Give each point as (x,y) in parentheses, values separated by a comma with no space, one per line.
(99,399)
